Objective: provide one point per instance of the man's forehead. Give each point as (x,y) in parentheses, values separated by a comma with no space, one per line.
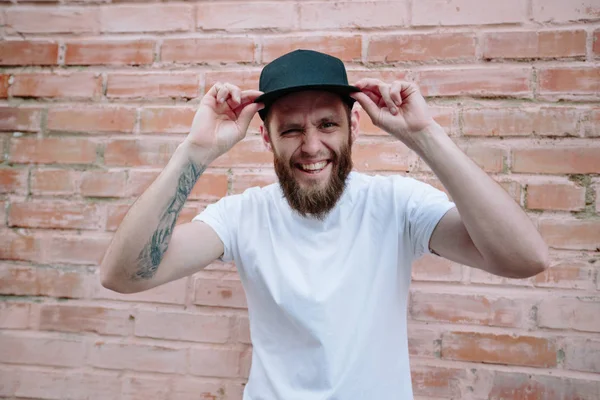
(308,101)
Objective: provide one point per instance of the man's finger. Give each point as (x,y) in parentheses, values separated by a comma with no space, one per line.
(395,93)
(248,96)
(384,89)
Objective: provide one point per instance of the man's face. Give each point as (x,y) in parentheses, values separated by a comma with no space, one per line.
(311,134)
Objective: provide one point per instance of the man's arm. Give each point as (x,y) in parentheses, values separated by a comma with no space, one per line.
(487,230)
(148,249)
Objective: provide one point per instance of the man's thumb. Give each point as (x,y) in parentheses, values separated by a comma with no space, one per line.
(247,114)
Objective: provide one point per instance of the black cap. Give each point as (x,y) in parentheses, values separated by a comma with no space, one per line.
(303,70)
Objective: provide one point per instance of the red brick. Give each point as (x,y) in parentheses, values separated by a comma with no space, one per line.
(54,181)
(571,234)
(58,385)
(555,196)
(557,159)
(92,119)
(215,362)
(461,12)
(147,152)
(468,309)
(13,180)
(346,48)
(488,157)
(576,313)
(390,155)
(596,44)
(103,183)
(421,47)
(248,152)
(138,357)
(244,79)
(432,268)
(109,52)
(19,246)
(166,120)
(582,354)
(256,15)
(82,318)
(75,85)
(169,293)
(210,186)
(149,85)
(52,19)
(54,214)
(219,292)
(523,121)
(14,315)
(208,50)
(352,15)
(243,181)
(20,119)
(499,349)
(42,351)
(486,82)
(4,83)
(558,11)
(525,386)
(527,44)
(435,381)
(211,328)
(20,52)
(30,281)
(73,249)
(569,81)
(567,274)
(158,17)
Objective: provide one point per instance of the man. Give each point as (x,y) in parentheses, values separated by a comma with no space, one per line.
(324,255)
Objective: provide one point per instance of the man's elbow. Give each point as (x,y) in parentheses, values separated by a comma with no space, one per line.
(531,264)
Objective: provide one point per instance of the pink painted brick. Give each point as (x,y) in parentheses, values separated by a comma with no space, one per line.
(138,357)
(211,328)
(84,318)
(468,12)
(580,314)
(560,11)
(582,354)
(241,16)
(157,17)
(352,15)
(215,362)
(42,350)
(14,315)
(31,281)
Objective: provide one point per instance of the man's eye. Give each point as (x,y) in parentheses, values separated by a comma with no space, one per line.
(328,124)
(289,131)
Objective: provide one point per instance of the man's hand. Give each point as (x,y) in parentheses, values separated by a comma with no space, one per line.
(397,108)
(222,119)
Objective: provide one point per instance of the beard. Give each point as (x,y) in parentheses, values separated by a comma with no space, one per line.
(315,201)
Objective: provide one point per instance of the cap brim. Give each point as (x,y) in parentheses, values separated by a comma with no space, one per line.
(270,97)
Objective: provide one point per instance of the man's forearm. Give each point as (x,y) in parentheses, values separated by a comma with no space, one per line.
(500,230)
(143,236)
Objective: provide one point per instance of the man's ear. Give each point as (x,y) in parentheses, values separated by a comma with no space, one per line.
(354,123)
(265,136)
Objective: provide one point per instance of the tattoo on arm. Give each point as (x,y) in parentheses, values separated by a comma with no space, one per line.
(152,254)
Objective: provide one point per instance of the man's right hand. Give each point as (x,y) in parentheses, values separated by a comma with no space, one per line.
(222,119)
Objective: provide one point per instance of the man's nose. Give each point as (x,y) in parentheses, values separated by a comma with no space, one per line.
(311,142)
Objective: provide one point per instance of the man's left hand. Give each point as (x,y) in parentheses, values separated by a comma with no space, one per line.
(397,108)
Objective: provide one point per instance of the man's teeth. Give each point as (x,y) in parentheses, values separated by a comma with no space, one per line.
(313,167)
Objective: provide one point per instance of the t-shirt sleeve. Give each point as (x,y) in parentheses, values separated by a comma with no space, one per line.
(219,216)
(426,206)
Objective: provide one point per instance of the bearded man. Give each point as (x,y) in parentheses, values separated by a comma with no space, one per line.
(325,254)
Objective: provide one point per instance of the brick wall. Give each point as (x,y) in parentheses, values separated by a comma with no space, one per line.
(95,96)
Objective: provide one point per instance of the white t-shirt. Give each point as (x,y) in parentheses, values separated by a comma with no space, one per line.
(327,301)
